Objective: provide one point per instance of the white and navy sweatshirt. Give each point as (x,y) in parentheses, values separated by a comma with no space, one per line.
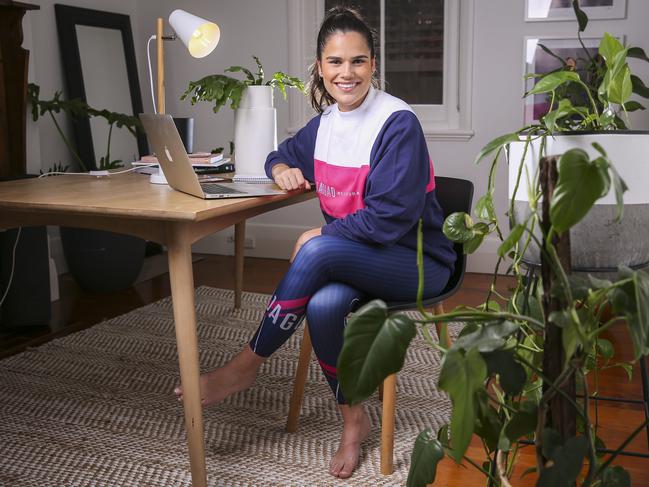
(372,173)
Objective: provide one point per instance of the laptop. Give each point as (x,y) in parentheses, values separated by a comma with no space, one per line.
(174,161)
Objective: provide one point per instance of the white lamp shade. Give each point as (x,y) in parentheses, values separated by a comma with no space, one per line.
(199,35)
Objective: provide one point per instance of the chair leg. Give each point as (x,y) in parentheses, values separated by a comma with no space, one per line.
(442,328)
(239,251)
(300,381)
(387,424)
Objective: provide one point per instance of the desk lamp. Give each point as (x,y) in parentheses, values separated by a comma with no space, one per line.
(200,36)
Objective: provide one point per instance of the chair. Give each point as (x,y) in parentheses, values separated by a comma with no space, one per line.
(453,195)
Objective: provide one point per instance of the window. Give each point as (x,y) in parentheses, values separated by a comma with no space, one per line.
(423,55)
(410,46)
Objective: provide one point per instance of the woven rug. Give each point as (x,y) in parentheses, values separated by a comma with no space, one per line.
(96,408)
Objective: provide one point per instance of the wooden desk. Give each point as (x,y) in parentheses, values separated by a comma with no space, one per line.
(127,203)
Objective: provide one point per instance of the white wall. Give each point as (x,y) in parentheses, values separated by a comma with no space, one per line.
(45,69)
(260,27)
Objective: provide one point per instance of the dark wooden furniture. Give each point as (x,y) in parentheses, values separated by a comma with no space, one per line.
(14,62)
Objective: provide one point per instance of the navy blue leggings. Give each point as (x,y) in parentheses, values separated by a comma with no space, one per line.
(328,279)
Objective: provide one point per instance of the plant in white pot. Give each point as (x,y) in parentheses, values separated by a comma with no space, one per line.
(589,101)
(255,124)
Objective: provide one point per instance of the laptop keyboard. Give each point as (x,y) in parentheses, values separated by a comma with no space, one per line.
(211,188)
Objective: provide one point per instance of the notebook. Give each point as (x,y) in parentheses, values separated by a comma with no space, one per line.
(174,161)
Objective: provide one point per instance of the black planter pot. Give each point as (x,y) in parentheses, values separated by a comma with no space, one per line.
(102,261)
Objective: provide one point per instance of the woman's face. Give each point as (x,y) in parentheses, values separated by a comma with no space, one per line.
(346,67)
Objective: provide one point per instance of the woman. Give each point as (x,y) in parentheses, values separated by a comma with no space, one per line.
(365,151)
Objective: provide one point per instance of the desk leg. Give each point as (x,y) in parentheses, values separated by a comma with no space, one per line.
(182,292)
(239,251)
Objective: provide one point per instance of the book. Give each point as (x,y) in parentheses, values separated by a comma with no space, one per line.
(251,178)
(219,169)
(195,158)
(195,161)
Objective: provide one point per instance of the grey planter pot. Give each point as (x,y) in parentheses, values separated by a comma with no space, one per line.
(598,243)
(102,261)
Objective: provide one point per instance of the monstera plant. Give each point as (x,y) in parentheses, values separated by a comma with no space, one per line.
(80,109)
(98,260)
(516,374)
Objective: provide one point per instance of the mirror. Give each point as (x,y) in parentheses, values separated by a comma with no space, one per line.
(100,68)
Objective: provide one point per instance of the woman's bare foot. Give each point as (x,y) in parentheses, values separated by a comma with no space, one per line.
(356,428)
(236,375)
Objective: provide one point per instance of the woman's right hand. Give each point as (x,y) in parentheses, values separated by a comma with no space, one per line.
(289,178)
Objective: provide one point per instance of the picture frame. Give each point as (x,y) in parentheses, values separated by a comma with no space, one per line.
(561,10)
(536,60)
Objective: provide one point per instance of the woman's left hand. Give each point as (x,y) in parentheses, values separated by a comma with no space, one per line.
(304,238)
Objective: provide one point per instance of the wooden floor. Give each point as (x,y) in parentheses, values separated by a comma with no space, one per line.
(77,310)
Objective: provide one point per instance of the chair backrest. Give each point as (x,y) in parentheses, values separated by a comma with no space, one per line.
(453,195)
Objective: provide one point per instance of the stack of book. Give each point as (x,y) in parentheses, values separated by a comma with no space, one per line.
(203,162)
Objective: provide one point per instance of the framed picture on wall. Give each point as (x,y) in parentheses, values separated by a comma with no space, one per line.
(539,61)
(550,10)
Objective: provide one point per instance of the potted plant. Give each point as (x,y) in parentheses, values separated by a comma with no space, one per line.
(255,125)
(98,260)
(515,369)
(589,101)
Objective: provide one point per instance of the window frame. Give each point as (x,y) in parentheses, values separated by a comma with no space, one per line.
(448,121)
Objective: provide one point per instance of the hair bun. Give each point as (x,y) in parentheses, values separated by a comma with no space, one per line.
(342,10)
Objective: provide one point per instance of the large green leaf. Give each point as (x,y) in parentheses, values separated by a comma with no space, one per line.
(632,300)
(511,240)
(619,185)
(511,374)
(487,337)
(521,424)
(615,477)
(564,109)
(425,456)
(609,47)
(567,461)
(632,106)
(497,143)
(462,376)
(458,227)
(620,88)
(488,423)
(582,18)
(638,53)
(374,347)
(580,183)
(605,348)
(639,87)
(552,81)
(473,244)
(570,342)
(484,208)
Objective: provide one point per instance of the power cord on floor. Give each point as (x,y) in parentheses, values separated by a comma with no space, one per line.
(13,265)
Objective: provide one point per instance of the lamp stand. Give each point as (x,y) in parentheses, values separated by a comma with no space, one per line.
(159,177)
(161,64)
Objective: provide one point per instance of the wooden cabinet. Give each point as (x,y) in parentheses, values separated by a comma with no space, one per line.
(14,62)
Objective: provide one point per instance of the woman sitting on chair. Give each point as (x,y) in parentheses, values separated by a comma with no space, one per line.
(366,154)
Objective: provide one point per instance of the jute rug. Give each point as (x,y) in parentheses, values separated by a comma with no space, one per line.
(96,408)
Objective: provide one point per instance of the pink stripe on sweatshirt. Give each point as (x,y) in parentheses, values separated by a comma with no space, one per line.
(340,189)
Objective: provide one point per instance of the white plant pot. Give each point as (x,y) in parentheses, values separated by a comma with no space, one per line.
(598,243)
(255,130)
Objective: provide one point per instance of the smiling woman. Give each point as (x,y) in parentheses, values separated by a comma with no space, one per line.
(366,154)
(346,67)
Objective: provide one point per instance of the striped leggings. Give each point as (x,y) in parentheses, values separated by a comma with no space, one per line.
(329,278)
